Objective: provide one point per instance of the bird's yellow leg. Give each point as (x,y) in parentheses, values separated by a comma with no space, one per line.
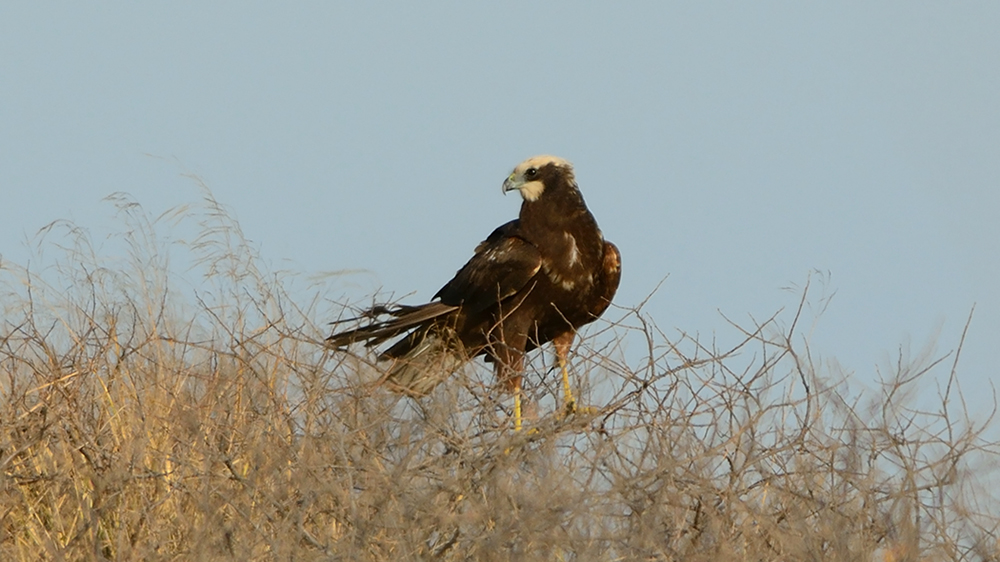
(569,403)
(517,405)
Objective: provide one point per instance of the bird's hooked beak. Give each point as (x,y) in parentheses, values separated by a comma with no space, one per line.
(512,183)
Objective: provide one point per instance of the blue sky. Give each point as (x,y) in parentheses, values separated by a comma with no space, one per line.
(730,147)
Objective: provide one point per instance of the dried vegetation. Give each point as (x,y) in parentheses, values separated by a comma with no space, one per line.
(141,419)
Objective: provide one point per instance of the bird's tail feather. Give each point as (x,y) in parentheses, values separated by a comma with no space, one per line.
(423,358)
(402,319)
(430,359)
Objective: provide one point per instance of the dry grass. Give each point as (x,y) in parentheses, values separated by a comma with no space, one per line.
(144,420)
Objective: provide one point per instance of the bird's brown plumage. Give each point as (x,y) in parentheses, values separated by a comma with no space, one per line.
(535,279)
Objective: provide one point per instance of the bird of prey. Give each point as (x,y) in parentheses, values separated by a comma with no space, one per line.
(534,280)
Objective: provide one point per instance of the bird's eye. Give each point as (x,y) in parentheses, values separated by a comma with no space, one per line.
(530,173)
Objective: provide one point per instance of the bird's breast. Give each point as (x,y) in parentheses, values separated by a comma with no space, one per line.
(573,261)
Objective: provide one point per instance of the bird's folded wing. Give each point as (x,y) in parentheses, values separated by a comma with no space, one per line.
(502,266)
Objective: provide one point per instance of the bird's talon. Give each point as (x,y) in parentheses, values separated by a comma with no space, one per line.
(570,408)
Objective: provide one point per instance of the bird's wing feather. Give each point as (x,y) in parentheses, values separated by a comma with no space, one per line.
(502,265)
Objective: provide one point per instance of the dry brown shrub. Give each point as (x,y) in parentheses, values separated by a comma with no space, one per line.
(142,419)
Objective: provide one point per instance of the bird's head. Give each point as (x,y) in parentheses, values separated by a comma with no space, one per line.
(533,176)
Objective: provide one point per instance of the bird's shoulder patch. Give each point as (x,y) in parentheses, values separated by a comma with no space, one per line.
(573,255)
(505,230)
(503,264)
